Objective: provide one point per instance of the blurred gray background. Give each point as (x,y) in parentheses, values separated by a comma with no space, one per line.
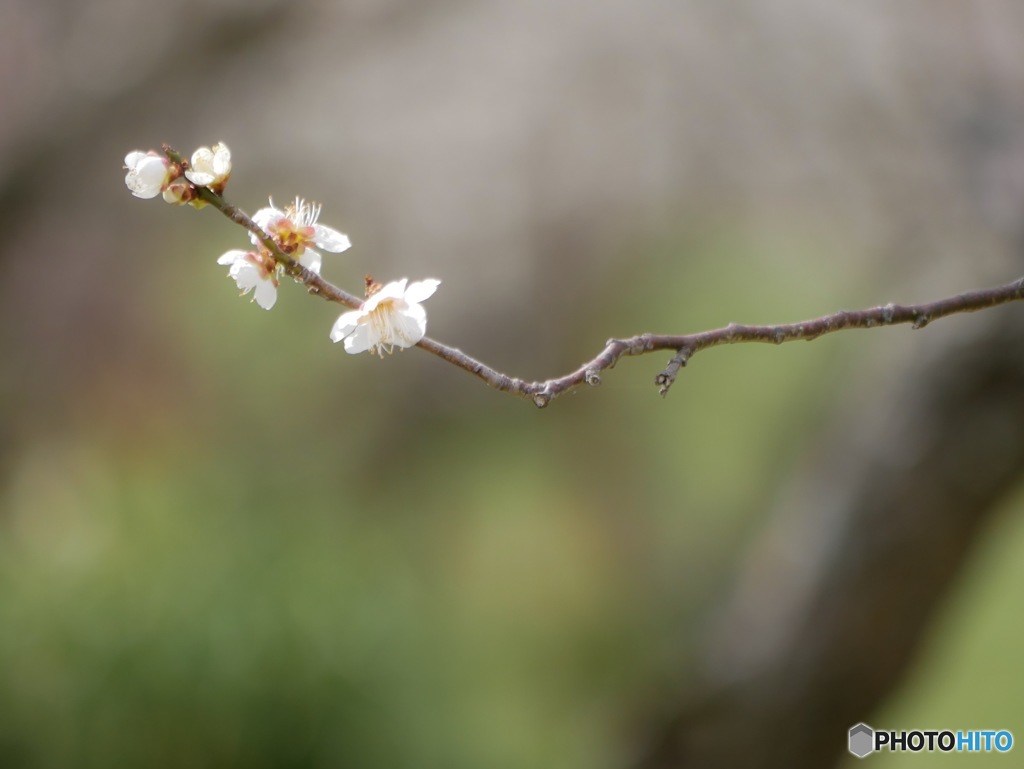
(224,542)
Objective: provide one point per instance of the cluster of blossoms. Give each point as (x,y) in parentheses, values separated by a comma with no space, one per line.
(391,316)
(295,231)
(151,174)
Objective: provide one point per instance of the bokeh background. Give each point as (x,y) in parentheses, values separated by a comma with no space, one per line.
(224,542)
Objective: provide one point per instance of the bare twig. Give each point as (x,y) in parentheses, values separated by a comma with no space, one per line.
(684,347)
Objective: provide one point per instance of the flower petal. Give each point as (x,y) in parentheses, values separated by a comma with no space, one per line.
(132,159)
(408,327)
(221,159)
(345,325)
(148,176)
(311,260)
(199,178)
(266,294)
(203,157)
(421,289)
(360,340)
(246,275)
(265,216)
(330,239)
(201,172)
(232,256)
(393,290)
(263,219)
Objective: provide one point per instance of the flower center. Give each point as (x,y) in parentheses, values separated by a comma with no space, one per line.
(265,263)
(290,236)
(385,331)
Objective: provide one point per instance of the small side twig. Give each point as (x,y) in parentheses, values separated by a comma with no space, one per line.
(667,378)
(685,346)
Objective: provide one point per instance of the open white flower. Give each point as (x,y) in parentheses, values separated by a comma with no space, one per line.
(210,167)
(295,230)
(391,316)
(148,173)
(253,271)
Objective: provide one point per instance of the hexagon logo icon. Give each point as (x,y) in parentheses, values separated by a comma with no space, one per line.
(862,740)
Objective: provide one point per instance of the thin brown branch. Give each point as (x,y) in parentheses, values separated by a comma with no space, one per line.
(542,392)
(684,347)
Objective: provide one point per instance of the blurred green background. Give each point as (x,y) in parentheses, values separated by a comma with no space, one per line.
(224,542)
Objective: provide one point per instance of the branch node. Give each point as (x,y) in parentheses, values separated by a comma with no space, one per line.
(921,320)
(540,400)
(636,345)
(592,377)
(888,312)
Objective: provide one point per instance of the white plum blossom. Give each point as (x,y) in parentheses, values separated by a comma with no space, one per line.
(210,167)
(253,271)
(148,173)
(391,316)
(296,232)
